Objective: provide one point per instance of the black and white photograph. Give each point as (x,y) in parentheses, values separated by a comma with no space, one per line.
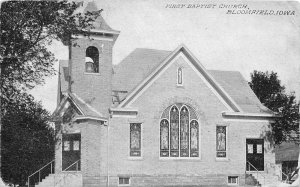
(149,93)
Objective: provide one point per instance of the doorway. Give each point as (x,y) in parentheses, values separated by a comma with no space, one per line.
(71,152)
(254,155)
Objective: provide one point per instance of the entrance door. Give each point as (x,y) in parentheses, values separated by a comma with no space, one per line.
(71,146)
(255,154)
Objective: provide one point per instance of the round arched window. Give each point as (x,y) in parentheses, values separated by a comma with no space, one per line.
(92,60)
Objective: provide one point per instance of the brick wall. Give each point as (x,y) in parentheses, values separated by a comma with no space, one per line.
(102,164)
(94,88)
(150,167)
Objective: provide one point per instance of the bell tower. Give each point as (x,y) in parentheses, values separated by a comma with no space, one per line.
(90,64)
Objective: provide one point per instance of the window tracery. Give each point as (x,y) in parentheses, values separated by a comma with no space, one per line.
(179,132)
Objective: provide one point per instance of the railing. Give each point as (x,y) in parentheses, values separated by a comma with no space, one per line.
(256,170)
(77,164)
(286,177)
(40,172)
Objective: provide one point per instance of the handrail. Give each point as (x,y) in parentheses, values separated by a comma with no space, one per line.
(38,171)
(76,162)
(72,165)
(287,177)
(256,171)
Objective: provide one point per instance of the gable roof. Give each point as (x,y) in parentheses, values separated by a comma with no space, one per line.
(85,111)
(138,65)
(237,87)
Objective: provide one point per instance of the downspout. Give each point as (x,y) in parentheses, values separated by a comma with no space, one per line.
(107,147)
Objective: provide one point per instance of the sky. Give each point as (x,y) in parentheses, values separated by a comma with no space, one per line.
(219,40)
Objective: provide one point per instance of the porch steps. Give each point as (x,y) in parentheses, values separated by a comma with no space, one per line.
(269,180)
(70,179)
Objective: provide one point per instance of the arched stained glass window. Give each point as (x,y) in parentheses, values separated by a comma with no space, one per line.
(164,138)
(174,131)
(179,132)
(194,131)
(184,132)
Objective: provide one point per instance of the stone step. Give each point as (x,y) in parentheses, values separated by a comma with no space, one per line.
(62,180)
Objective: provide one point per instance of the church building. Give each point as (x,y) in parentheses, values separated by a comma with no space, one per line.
(157,118)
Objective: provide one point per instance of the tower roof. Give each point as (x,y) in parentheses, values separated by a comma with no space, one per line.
(99,23)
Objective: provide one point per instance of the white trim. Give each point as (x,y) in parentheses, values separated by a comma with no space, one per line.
(211,78)
(90,117)
(123,112)
(165,65)
(123,109)
(249,120)
(101,31)
(248,114)
(86,73)
(123,116)
(70,97)
(89,106)
(208,84)
(147,85)
(79,36)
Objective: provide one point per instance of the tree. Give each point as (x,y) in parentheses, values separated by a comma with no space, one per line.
(28,140)
(271,93)
(27,28)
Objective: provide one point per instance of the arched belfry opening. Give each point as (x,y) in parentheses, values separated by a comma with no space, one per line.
(92,60)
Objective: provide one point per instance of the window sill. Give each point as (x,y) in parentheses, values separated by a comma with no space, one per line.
(135,158)
(197,159)
(98,74)
(222,160)
(232,184)
(179,86)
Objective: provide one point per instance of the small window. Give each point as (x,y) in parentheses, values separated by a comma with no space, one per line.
(124,181)
(76,145)
(221,141)
(250,148)
(135,139)
(179,76)
(92,60)
(66,146)
(259,149)
(233,180)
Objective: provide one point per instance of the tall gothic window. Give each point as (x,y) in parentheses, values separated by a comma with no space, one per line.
(135,139)
(221,141)
(92,60)
(179,132)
